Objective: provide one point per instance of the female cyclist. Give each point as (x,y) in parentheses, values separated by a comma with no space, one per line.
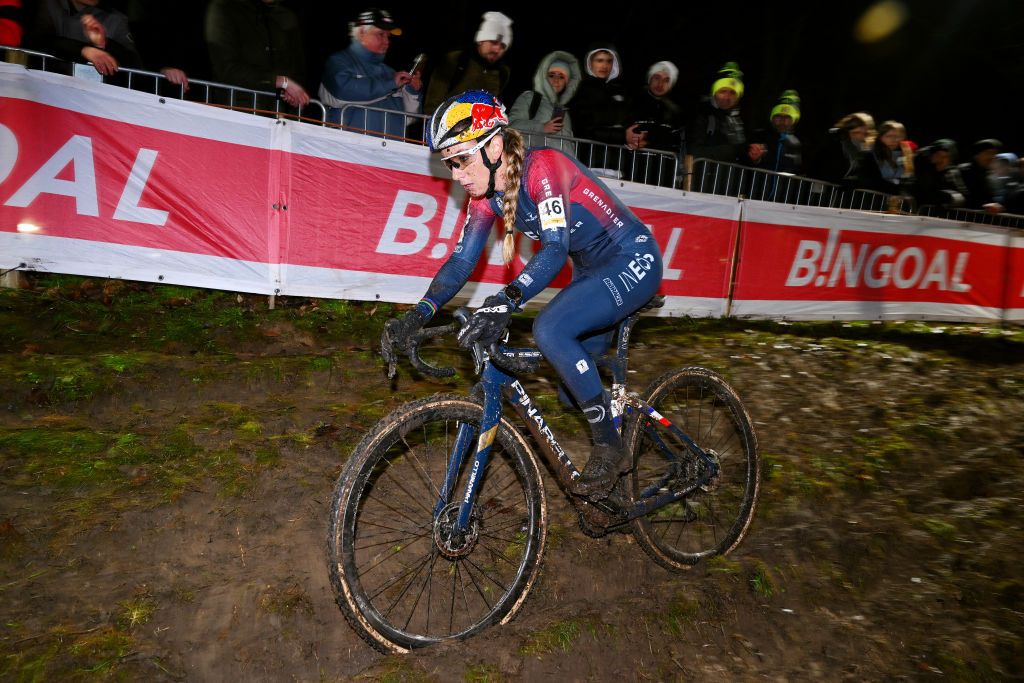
(551,197)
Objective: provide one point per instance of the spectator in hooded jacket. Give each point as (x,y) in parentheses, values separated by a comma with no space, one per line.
(601,111)
(543,110)
(975,174)
(83,30)
(480,67)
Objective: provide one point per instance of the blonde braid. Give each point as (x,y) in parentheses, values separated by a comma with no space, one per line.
(513,178)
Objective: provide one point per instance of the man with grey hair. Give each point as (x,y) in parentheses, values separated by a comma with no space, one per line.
(362,91)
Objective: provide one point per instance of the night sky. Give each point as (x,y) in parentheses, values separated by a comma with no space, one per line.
(954,68)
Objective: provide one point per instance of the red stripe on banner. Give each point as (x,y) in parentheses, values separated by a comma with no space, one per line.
(697,251)
(1015,277)
(90,178)
(793,263)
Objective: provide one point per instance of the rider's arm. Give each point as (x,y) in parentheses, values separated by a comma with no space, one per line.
(456,270)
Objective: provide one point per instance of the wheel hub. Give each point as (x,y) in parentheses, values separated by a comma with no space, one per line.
(452,544)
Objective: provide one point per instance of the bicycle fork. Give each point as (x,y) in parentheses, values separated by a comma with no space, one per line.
(461,448)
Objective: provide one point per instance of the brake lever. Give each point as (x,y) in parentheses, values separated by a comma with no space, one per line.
(479,356)
(387,350)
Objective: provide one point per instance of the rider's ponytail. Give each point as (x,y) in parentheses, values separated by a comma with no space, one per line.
(513,178)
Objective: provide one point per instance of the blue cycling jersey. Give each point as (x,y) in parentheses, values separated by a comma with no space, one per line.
(616,262)
(561,204)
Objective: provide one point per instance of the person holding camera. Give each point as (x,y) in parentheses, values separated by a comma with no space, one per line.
(542,111)
(657,125)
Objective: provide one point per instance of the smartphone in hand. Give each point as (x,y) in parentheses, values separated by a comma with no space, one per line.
(559,112)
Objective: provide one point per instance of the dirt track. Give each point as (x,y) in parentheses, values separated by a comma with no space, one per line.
(165,494)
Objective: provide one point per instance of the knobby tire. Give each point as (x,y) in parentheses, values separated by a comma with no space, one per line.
(707,522)
(391,578)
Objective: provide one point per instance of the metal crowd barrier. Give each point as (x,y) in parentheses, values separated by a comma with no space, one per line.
(649,167)
(1002,220)
(246,100)
(736,180)
(381,123)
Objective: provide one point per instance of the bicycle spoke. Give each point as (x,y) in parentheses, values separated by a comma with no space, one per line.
(712,518)
(400,581)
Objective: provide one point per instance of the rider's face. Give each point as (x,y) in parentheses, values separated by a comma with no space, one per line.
(468,169)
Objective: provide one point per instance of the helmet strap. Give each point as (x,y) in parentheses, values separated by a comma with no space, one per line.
(492,167)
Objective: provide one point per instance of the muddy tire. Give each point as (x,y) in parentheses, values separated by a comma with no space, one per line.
(400,581)
(714,519)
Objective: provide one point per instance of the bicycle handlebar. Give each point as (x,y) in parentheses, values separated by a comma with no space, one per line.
(516,363)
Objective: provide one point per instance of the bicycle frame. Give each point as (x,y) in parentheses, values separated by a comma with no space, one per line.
(496,384)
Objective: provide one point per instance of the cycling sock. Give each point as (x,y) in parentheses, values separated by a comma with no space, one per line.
(599,415)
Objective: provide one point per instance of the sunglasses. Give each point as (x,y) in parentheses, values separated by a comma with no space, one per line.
(454,163)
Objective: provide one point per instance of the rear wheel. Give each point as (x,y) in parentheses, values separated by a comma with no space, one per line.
(714,518)
(400,575)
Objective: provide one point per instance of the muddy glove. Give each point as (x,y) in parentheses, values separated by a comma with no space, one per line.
(399,332)
(488,323)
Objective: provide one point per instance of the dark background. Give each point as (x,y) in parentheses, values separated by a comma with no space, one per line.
(954,68)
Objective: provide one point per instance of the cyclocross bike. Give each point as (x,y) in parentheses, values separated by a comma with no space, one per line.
(439,518)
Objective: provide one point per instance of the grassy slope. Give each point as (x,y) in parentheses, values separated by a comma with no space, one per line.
(885,447)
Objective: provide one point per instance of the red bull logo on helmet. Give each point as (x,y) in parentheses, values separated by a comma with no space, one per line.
(487,116)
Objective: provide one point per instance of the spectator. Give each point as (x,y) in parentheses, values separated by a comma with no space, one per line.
(257,44)
(659,117)
(10,22)
(716,132)
(975,174)
(937,180)
(1004,176)
(543,109)
(601,110)
(163,30)
(781,150)
(481,67)
(883,168)
(659,125)
(78,30)
(839,158)
(358,76)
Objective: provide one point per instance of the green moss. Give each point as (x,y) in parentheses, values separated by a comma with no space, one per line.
(482,673)
(558,636)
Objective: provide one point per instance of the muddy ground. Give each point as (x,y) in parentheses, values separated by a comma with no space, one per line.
(167,458)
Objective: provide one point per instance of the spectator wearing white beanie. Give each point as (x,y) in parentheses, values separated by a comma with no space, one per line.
(479,66)
(495,27)
(669,69)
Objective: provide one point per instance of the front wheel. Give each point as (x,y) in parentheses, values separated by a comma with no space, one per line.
(713,519)
(401,577)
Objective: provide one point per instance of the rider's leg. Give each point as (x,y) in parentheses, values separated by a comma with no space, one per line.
(590,303)
(596,345)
